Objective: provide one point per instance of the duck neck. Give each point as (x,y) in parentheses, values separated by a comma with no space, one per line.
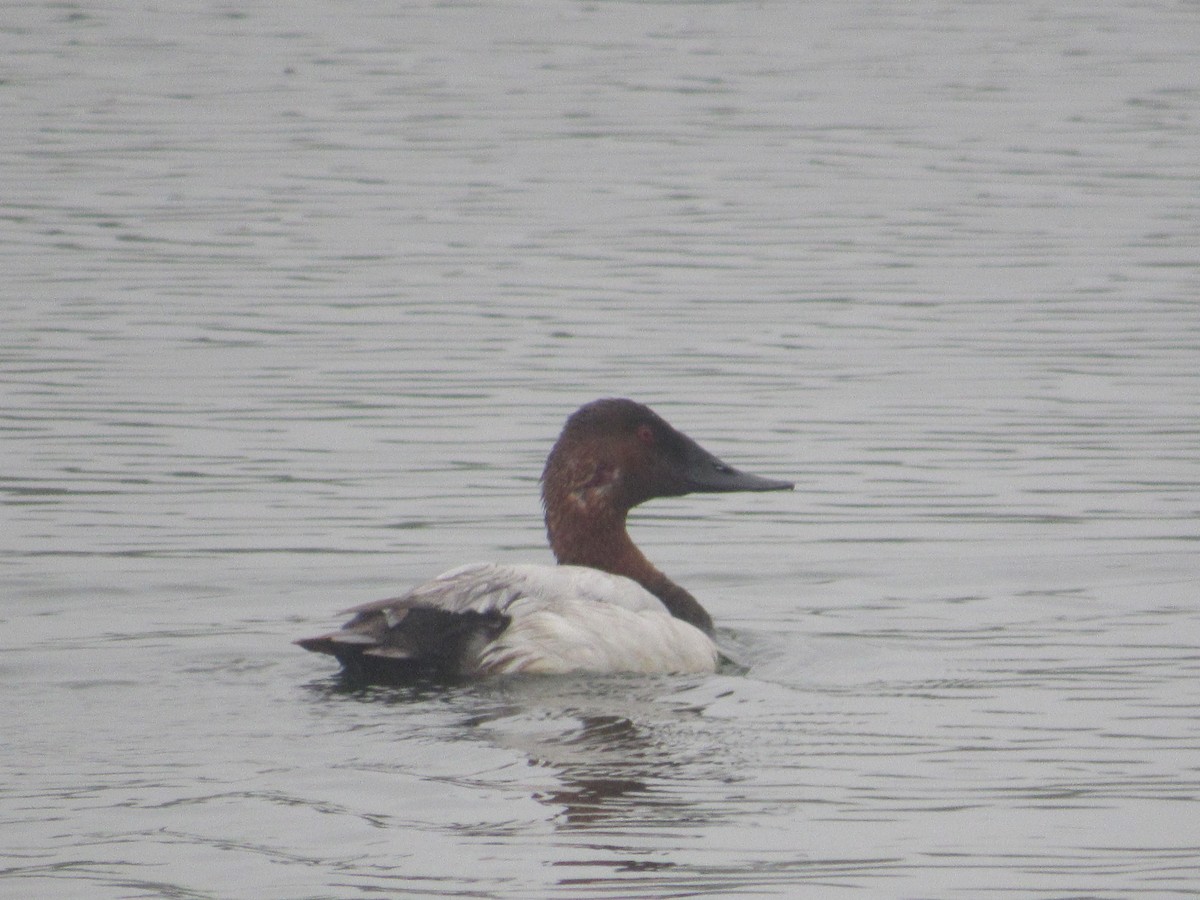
(601,541)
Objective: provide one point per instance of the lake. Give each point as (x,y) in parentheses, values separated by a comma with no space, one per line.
(297,296)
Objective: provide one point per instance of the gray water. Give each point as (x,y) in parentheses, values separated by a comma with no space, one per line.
(296,296)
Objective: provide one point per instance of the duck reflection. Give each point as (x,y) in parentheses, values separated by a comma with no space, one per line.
(613,767)
(625,753)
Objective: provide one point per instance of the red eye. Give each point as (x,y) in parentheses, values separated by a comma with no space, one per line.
(646,435)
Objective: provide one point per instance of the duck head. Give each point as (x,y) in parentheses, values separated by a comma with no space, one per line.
(614,454)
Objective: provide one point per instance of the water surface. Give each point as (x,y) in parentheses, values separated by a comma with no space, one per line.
(296,297)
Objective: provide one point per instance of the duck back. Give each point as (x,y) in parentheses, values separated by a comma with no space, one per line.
(490,619)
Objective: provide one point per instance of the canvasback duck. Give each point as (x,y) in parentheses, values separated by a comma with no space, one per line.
(603,608)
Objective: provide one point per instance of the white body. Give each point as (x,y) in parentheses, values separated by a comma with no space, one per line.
(562,619)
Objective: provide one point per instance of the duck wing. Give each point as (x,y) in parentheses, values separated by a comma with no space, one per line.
(488,618)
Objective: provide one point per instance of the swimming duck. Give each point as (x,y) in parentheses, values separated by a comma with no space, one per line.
(603,608)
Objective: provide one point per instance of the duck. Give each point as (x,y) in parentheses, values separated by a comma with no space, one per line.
(604,608)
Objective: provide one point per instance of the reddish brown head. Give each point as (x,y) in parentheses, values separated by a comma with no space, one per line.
(611,456)
(618,453)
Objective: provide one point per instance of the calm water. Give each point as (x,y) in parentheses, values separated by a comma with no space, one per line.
(296,297)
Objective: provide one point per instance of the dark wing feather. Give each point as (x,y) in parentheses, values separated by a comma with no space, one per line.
(438,628)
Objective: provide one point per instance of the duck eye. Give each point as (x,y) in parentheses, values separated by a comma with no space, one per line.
(646,435)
